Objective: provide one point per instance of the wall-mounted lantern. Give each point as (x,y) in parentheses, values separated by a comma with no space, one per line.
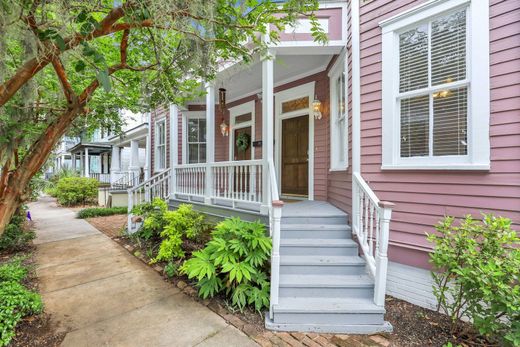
(316,106)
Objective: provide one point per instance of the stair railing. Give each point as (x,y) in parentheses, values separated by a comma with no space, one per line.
(371,225)
(157,186)
(275,216)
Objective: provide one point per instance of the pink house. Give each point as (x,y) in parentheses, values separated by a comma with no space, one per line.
(352,151)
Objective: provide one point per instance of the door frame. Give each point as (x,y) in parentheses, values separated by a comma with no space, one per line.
(233,113)
(283,96)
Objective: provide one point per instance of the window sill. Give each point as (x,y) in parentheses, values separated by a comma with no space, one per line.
(472,167)
(338,169)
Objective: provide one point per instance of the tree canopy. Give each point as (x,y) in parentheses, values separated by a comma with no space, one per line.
(68,64)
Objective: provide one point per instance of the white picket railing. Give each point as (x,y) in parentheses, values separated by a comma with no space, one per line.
(371,225)
(235,181)
(157,186)
(275,216)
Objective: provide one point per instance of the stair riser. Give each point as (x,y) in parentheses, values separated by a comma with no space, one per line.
(309,250)
(313,234)
(322,269)
(328,318)
(315,220)
(327,292)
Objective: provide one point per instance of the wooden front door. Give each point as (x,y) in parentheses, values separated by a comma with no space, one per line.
(240,154)
(295,158)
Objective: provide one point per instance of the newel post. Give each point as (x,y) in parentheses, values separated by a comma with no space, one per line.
(210,141)
(275,254)
(382,253)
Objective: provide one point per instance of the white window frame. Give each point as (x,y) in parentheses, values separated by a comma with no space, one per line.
(158,145)
(186,116)
(478,156)
(340,67)
(248,107)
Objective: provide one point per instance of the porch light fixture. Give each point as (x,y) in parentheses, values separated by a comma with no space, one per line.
(222,99)
(224,128)
(316,106)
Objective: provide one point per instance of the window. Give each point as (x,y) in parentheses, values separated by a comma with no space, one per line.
(160,145)
(196,140)
(433,69)
(338,116)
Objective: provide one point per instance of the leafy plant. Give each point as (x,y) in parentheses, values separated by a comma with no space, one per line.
(16,301)
(153,218)
(477,275)
(16,236)
(234,261)
(101,212)
(76,190)
(170,269)
(179,224)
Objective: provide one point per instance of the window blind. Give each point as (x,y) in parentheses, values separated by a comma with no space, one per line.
(434,119)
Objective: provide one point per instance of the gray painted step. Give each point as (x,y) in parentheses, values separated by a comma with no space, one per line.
(325,286)
(328,311)
(310,219)
(319,265)
(323,231)
(318,247)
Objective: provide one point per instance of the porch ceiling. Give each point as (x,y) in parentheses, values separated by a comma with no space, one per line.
(241,81)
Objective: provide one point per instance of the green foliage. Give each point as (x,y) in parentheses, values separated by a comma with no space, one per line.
(235,261)
(72,191)
(171,269)
(16,301)
(101,212)
(477,275)
(15,236)
(179,224)
(153,218)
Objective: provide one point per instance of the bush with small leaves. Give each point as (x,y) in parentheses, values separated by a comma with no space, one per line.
(72,191)
(153,218)
(476,273)
(234,261)
(101,212)
(16,237)
(16,301)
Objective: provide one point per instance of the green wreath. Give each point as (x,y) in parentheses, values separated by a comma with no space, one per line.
(243,141)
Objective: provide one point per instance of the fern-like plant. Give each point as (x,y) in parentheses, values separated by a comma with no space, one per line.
(234,261)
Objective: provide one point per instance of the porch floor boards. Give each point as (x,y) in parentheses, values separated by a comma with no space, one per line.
(313,208)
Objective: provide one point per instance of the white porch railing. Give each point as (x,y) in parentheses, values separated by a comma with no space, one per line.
(275,216)
(371,225)
(232,181)
(101,177)
(157,186)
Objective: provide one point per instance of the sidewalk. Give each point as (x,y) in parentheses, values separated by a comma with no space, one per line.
(102,296)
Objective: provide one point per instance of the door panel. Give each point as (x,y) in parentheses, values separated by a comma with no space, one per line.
(242,155)
(295,159)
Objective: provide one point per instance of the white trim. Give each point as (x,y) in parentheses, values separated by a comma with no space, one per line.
(156,144)
(478,154)
(185,116)
(356,89)
(247,107)
(339,67)
(286,95)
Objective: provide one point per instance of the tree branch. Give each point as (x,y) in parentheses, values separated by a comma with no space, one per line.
(62,76)
(123,48)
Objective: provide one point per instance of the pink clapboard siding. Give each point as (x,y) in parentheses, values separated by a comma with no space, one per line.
(423,198)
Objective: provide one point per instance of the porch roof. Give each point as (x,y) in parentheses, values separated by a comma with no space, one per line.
(93,148)
(138,133)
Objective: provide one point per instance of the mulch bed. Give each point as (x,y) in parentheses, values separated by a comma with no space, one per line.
(37,330)
(413,325)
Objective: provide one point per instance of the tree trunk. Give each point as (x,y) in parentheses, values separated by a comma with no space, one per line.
(17,180)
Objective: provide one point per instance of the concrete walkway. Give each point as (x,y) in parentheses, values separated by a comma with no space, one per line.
(102,296)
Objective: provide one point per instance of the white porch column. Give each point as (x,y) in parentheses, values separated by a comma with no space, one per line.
(105,163)
(87,163)
(73,164)
(134,156)
(267,122)
(147,158)
(174,145)
(115,163)
(210,137)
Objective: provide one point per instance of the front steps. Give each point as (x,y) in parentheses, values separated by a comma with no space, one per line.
(324,285)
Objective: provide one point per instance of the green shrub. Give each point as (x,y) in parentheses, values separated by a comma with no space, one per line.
(16,301)
(15,236)
(72,191)
(235,261)
(477,275)
(183,223)
(101,212)
(153,218)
